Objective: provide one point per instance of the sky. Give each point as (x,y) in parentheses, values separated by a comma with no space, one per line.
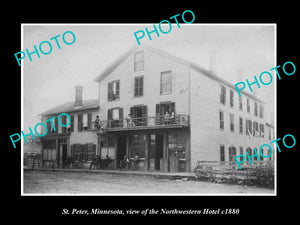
(242,51)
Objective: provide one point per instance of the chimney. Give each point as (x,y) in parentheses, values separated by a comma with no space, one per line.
(78,96)
(213,61)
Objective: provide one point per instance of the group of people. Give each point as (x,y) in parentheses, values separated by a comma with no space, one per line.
(125,162)
(169,117)
(100,163)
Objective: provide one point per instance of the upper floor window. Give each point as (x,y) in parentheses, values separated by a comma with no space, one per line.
(241,125)
(255,109)
(138,86)
(248,105)
(138,61)
(113,90)
(231,122)
(166,82)
(231,98)
(223,95)
(221,114)
(261,111)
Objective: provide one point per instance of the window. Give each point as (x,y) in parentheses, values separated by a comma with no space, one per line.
(50,128)
(240,102)
(255,109)
(113,90)
(115,114)
(222,153)
(249,127)
(138,86)
(241,125)
(85,121)
(261,111)
(83,152)
(115,117)
(231,122)
(71,128)
(231,98)
(223,95)
(241,151)
(80,123)
(166,82)
(262,130)
(176,145)
(255,129)
(262,153)
(90,151)
(138,61)
(77,152)
(249,151)
(49,150)
(108,148)
(248,105)
(232,153)
(137,145)
(221,113)
(63,121)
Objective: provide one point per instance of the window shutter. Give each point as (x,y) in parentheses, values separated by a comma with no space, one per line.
(56,125)
(109,117)
(172,107)
(109,92)
(131,112)
(79,122)
(121,116)
(89,120)
(158,118)
(118,87)
(72,123)
(144,114)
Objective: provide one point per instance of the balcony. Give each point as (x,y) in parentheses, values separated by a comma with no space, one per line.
(142,123)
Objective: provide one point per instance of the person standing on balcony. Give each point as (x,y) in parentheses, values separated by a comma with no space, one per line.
(96,122)
(129,121)
(172,117)
(167,118)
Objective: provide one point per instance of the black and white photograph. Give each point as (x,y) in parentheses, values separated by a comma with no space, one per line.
(150,114)
(115,114)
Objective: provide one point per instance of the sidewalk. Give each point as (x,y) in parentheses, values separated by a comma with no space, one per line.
(158,174)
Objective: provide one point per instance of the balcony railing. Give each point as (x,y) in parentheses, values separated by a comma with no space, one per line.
(152,121)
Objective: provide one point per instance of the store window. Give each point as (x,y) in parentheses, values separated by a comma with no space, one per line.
(137,145)
(177,146)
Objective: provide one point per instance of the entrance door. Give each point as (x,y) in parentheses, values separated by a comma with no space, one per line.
(155,151)
(139,115)
(121,151)
(158,150)
(161,110)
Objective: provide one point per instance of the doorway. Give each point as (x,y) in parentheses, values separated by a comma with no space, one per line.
(161,110)
(139,115)
(121,151)
(155,151)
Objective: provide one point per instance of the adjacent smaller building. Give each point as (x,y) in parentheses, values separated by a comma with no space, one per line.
(76,140)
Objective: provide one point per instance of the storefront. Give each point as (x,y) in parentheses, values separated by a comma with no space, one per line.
(166,150)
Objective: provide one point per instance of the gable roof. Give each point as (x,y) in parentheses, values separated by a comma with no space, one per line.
(69,107)
(191,64)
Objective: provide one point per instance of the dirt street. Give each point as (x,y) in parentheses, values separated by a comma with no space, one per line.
(58,182)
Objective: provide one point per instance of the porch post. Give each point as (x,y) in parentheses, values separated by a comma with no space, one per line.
(146,150)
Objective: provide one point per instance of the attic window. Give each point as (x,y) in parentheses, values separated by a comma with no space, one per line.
(138,61)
